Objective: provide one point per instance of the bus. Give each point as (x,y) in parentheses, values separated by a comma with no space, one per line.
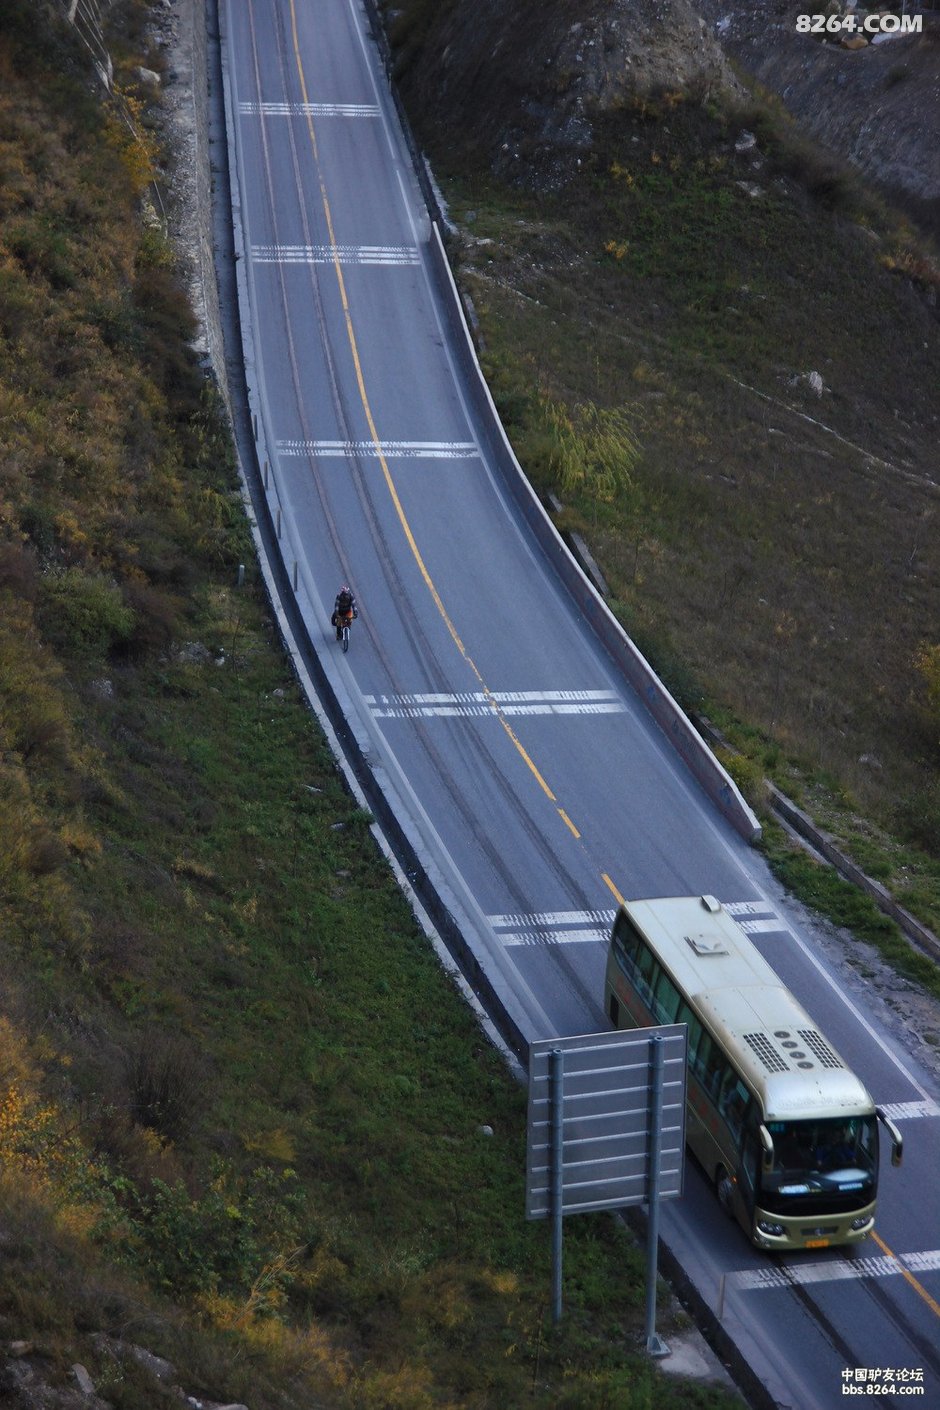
(786,1133)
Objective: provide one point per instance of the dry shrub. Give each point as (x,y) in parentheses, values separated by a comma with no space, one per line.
(164,1080)
(927,698)
(118,947)
(156,618)
(167,317)
(138,1152)
(918,816)
(21,828)
(47,853)
(84,612)
(33,716)
(16,1065)
(18,571)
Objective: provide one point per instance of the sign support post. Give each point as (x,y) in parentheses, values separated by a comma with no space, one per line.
(654,1344)
(606,1130)
(556,1066)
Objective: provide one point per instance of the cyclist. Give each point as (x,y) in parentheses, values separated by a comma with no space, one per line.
(344,610)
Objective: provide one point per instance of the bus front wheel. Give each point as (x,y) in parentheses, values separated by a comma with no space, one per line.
(724,1188)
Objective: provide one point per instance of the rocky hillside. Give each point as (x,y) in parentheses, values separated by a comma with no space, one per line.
(521,82)
(878,104)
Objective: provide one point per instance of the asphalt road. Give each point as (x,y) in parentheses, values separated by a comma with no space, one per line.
(530,776)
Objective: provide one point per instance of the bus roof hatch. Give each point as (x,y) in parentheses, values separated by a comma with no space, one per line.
(713,944)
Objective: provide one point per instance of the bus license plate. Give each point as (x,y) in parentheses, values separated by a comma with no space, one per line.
(816,1243)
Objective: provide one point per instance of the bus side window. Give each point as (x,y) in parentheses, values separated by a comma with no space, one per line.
(714,1068)
(699,1062)
(626,944)
(666,999)
(686,1016)
(626,941)
(732,1103)
(644,975)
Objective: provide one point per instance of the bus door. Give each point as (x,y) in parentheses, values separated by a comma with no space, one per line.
(750,1167)
(735,1107)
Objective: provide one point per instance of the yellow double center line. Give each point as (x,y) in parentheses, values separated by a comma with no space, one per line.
(908,1276)
(389,481)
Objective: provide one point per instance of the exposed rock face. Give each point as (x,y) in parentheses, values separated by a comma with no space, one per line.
(520,80)
(636,47)
(523,80)
(879,107)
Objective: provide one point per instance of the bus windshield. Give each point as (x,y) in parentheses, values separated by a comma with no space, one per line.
(839,1155)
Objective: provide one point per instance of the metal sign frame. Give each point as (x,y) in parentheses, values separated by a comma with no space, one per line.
(606,1120)
(606,1129)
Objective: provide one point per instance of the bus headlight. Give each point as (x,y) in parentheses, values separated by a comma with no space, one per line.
(766,1227)
(861,1222)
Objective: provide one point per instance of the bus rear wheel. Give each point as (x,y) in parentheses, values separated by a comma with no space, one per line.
(724,1188)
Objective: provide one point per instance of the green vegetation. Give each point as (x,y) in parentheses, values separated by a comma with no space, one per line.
(242,1107)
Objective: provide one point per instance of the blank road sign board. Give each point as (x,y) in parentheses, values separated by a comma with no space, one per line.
(606,1122)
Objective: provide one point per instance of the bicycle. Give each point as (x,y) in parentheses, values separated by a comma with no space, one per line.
(342,630)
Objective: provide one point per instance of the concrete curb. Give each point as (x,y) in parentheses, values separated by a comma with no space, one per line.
(827,847)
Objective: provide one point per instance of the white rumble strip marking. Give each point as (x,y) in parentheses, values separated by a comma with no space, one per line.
(838,1270)
(479,704)
(757,918)
(357,110)
(909,1111)
(546,928)
(388,450)
(333,254)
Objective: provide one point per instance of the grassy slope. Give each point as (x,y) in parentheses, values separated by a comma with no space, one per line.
(240,1103)
(773,551)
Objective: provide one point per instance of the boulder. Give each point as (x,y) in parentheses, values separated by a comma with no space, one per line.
(82,1379)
